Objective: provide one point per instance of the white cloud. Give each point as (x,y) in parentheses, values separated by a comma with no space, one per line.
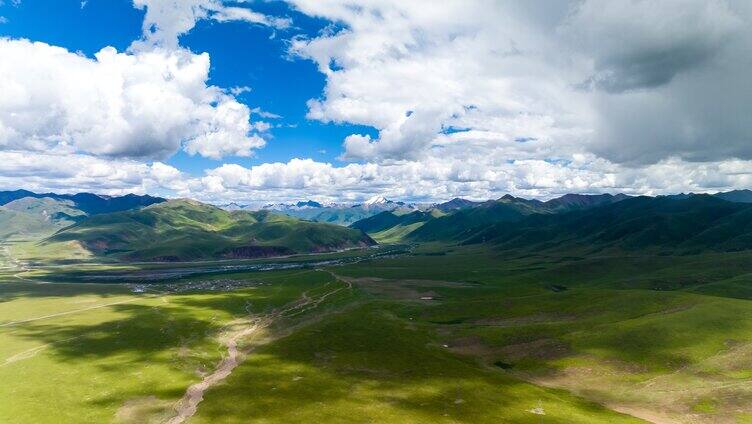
(264,114)
(478,99)
(64,172)
(469,98)
(413,71)
(141,105)
(634,82)
(238,90)
(486,177)
(167,20)
(226,13)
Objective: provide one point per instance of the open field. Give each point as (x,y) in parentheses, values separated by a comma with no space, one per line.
(666,339)
(124,346)
(442,334)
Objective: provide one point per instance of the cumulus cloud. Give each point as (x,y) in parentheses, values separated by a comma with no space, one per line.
(64,172)
(117,104)
(145,103)
(468,98)
(426,180)
(431,179)
(415,73)
(634,82)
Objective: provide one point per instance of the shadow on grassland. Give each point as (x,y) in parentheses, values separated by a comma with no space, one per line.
(15,289)
(137,331)
(364,365)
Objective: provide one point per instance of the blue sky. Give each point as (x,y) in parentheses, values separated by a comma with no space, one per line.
(348,99)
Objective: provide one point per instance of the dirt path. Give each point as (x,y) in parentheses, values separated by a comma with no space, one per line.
(75,311)
(30,353)
(15,264)
(186,407)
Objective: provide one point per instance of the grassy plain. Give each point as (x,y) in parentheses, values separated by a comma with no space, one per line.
(663,338)
(442,334)
(98,352)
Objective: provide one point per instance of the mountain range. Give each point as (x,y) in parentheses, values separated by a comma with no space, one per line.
(346,214)
(338,213)
(89,203)
(665,224)
(25,213)
(145,228)
(185,230)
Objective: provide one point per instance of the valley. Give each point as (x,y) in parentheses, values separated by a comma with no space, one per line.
(375,212)
(459,327)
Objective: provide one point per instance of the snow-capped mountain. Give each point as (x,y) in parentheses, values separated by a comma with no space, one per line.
(381,203)
(377,200)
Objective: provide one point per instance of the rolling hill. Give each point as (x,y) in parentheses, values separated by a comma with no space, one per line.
(37,217)
(60,211)
(465,222)
(737,196)
(14,223)
(456,204)
(393,226)
(184,230)
(661,224)
(30,215)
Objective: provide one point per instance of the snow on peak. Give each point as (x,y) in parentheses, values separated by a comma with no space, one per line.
(377,200)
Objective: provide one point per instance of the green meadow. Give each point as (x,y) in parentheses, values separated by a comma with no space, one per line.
(437,334)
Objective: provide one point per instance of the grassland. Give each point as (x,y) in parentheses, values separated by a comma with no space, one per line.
(441,334)
(663,338)
(82,352)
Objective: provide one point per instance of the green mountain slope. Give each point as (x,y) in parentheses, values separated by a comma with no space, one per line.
(394,226)
(389,219)
(14,223)
(456,204)
(569,202)
(466,222)
(183,230)
(34,217)
(340,216)
(344,215)
(61,212)
(737,196)
(663,224)
(462,219)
